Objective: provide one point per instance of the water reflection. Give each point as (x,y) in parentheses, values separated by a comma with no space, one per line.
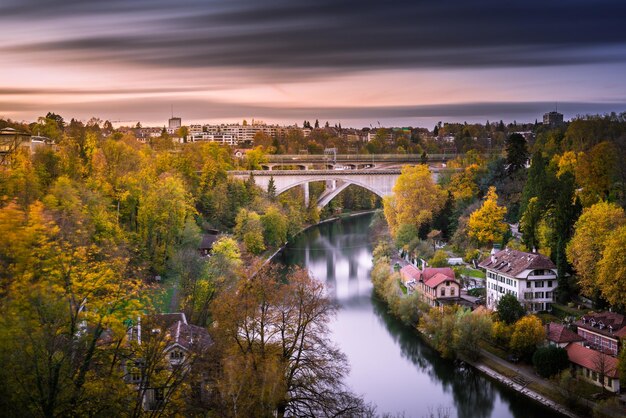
(390,365)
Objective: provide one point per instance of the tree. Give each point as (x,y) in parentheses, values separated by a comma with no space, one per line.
(486,225)
(611,269)
(516,152)
(529,223)
(317,123)
(509,309)
(163,210)
(279,358)
(550,360)
(621,365)
(471,328)
(587,246)
(271,189)
(440,259)
(528,333)
(249,229)
(274,227)
(416,199)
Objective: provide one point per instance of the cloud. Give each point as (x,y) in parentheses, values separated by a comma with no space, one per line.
(305,37)
(157,110)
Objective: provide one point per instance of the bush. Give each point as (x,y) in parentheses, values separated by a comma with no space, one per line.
(550,360)
(509,309)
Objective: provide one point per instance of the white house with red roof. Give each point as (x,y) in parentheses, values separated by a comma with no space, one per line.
(530,277)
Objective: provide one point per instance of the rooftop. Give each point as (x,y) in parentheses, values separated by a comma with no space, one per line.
(559,333)
(606,323)
(513,262)
(592,360)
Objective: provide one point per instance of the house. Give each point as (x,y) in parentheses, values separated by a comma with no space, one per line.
(602,331)
(179,344)
(438,286)
(409,276)
(560,336)
(530,277)
(206,245)
(594,366)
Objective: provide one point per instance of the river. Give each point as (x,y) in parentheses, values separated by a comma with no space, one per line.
(391,367)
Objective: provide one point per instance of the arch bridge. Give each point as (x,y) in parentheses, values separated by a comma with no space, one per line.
(379,182)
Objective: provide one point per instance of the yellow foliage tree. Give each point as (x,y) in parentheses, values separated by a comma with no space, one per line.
(590,239)
(528,333)
(486,225)
(416,198)
(612,268)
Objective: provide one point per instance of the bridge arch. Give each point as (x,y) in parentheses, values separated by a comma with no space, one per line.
(326,197)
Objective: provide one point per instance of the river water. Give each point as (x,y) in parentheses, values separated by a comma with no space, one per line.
(390,365)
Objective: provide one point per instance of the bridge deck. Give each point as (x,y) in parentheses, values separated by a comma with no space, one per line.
(276,173)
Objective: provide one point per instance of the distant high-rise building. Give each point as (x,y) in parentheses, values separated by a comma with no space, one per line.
(553,118)
(174,123)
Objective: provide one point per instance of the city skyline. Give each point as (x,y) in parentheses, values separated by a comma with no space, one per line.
(355,63)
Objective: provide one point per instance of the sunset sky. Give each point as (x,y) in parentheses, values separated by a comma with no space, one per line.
(356,62)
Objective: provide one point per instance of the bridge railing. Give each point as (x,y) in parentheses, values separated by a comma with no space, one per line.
(295,158)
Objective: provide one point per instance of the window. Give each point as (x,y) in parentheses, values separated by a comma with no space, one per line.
(528,295)
(528,285)
(443,291)
(549,283)
(452,291)
(447,283)
(539,283)
(538,295)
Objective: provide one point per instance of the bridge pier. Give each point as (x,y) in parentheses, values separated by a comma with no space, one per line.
(305,187)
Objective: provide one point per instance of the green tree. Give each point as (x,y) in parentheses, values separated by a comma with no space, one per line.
(440,259)
(274,227)
(516,152)
(529,223)
(471,328)
(249,229)
(509,309)
(486,225)
(550,360)
(271,189)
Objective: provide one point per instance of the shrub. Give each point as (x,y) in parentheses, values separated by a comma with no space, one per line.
(550,360)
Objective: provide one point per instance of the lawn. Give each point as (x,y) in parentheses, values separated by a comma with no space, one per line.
(162,296)
(468,271)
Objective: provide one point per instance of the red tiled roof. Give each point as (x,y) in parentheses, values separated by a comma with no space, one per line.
(592,360)
(410,271)
(513,262)
(559,333)
(437,279)
(616,321)
(429,272)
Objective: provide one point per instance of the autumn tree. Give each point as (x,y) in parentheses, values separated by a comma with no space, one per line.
(249,229)
(611,268)
(62,321)
(486,225)
(416,199)
(163,211)
(277,356)
(528,333)
(586,249)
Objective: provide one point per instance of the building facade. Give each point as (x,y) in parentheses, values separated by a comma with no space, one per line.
(602,331)
(435,286)
(530,277)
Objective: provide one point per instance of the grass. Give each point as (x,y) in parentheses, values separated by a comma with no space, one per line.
(549,393)
(564,310)
(403,287)
(480,291)
(496,351)
(467,271)
(547,317)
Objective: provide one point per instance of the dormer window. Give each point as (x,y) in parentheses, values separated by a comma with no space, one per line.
(610,329)
(593,322)
(584,320)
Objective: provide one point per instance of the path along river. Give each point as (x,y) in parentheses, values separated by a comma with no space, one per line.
(391,366)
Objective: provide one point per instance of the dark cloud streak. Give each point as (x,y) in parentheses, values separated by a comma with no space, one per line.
(336,36)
